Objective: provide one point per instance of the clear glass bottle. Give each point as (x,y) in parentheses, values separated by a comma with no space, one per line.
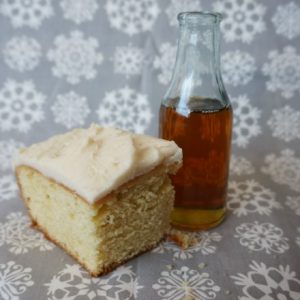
(196,114)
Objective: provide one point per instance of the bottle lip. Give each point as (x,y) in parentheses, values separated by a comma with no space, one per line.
(199,17)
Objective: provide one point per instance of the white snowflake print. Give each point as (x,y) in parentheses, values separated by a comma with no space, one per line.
(176,7)
(131,16)
(8,188)
(262,237)
(263,283)
(20,237)
(79,11)
(285,123)
(205,246)
(73,282)
(75,57)
(283,72)
(284,169)
(242,19)
(29,13)
(22,53)
(245,121)
(14,280)
(185,282)
(294,204)
(20,106)
(297,240)
(247,197)
(126,109)
(70,110)
(165,62)
(128,60)
(240,166)
(287,20)
(237,67)
(8,149)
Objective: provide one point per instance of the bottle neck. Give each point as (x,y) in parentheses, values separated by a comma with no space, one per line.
(199,48)
(197,68)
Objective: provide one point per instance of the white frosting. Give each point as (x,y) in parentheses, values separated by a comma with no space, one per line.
(95,161)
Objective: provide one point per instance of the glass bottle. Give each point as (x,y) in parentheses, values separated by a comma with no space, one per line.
(196,114)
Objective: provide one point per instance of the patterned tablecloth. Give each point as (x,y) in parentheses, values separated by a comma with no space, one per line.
(68,63)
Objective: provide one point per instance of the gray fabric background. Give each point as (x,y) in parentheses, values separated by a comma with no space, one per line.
(254,254)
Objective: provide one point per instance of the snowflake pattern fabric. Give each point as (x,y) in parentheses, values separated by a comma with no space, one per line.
(264,282)
(185,283)
(75,57)
(132,16)
(242,19)
(2,236)
(283,72)
(8,188)
(284,169)
(240,166)
(245,121)
(287,20)
(285,123)
(29,13)
(73,282)
(20,106)
(70,110)
(22,53)
(20,237)
(262,237)
(8,149)
(297,239)
(248,197)
(128,60)
(175,7)
(15,280)
(237,67)
(294,204)
(125,108)
(79,11)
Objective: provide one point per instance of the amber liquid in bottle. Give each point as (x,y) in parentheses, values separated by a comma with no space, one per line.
(201,184)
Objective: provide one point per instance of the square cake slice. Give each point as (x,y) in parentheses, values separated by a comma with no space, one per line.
(102,194)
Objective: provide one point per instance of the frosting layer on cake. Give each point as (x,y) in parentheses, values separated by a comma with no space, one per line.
(96,161)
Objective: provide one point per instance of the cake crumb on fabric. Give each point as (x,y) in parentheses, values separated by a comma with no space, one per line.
(202,265)
(183,239)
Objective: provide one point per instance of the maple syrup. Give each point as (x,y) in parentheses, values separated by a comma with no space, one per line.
(204,134)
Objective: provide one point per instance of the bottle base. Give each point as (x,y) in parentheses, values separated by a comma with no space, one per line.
(193,219)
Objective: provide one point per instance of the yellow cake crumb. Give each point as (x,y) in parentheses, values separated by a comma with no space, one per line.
(183,239)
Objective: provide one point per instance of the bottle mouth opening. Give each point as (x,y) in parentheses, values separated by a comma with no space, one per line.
(199,17)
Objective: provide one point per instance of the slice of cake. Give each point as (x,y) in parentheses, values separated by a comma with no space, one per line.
(102,194)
